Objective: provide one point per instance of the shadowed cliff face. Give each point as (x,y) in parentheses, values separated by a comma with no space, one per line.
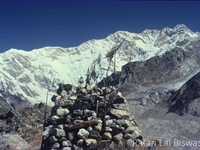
(152,79)
(187,98)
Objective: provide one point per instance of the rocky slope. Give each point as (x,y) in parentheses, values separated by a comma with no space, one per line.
(187,99)
(26,76)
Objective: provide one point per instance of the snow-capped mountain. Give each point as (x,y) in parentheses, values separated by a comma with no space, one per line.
(28,74)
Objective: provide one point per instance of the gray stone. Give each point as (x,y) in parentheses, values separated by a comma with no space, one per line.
(122,122)
(62,111)
(70,135)
(91,142)
(63,103)
(83,134)
(127,136)
(117,129)
(135,134)
(129,144)
(119,114)
(78,112)
(109,122)
(118,137)
(94,135)
(59,132)
(130,129)
(89,129)
(77,147)
(107,136)
(48,130)
(56,146)
(91,118)
(80,142)
(67,143)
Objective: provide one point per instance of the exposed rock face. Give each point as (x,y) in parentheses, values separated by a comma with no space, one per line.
(187,99)
(147,82)
(84,125)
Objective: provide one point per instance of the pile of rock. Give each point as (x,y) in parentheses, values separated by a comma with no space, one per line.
(79,120)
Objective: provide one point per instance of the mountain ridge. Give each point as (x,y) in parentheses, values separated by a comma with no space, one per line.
(30,74)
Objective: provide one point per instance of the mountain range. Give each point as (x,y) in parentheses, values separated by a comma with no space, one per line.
(27,75)
(157,71)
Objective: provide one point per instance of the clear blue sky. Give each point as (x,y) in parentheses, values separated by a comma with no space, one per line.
(30,24)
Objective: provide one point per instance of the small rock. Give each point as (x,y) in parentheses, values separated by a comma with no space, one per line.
(89,129)
(109,122)
(74,97)
(80,142)
(94,135)
(107,117)
(91,118)
(107,136)
(118,137)
(83,134)
(56,146)
(130,129)
(59,132)
(108,129)
(78,112)
(91,142)
(127,136)
(70,135)
(62,111)
(48,130)
(135,134)
(119,114)
(67,143)
(129,144)
(98,127)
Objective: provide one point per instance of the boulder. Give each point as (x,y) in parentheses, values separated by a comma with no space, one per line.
(48,131)
(94,135)
(118,137)
(91,142)
(56,146)
(59,132)
(62,111)
(107,136)
(119,99)
(78,112)
(119,114)
(130,144)
(98,127)
(80,142)
(83,134)
(70,135)
(66,143)
(73,97)
(130,129)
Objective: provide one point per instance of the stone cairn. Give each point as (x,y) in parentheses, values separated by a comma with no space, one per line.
(78,120)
